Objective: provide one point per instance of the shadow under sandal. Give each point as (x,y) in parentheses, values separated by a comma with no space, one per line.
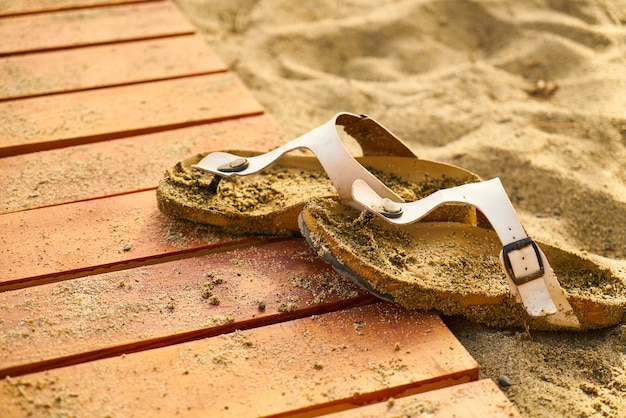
(255,193)
(454,268)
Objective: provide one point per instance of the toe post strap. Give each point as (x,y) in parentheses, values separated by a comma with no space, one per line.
(324,142)
(531,279)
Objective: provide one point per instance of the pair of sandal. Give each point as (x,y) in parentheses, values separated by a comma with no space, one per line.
(423,234)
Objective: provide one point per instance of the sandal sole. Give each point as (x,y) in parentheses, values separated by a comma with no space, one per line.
(452,268)
(268,203)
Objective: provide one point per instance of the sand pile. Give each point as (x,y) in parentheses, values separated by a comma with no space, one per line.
(531,91)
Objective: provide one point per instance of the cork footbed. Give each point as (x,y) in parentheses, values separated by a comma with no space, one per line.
(451,267)
(269,202)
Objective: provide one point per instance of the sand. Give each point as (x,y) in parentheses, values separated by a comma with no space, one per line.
(533,92)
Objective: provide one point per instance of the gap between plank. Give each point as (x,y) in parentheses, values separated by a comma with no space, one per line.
(48,9)
(95,43)
(90,139)
(137,262)
(112,85)
(87,199)
(184,337)
(359,400)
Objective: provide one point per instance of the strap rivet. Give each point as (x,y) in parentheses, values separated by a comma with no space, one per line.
(390,209)
(236,165)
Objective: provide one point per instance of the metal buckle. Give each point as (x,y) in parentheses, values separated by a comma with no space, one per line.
(518,245)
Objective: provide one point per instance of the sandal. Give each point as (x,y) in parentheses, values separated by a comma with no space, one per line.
(249,192)
(453,268)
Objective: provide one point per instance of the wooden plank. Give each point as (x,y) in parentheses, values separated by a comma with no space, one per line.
(56,121)
(121,166)
(17,7)
(480,399)
(105,66)
(135,299)
(98,316)
(298,368)
(95,236)
(100,25)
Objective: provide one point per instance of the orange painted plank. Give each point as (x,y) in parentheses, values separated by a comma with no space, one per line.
(480,399)
(105,65)
(301,367)
(15,7)
(95,236)
(123,165)
(72,28)
(103,315)
(56,121)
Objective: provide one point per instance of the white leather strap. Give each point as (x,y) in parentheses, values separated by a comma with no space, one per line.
(323,141)
(531,279)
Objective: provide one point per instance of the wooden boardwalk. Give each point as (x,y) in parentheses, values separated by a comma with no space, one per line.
(107,308)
